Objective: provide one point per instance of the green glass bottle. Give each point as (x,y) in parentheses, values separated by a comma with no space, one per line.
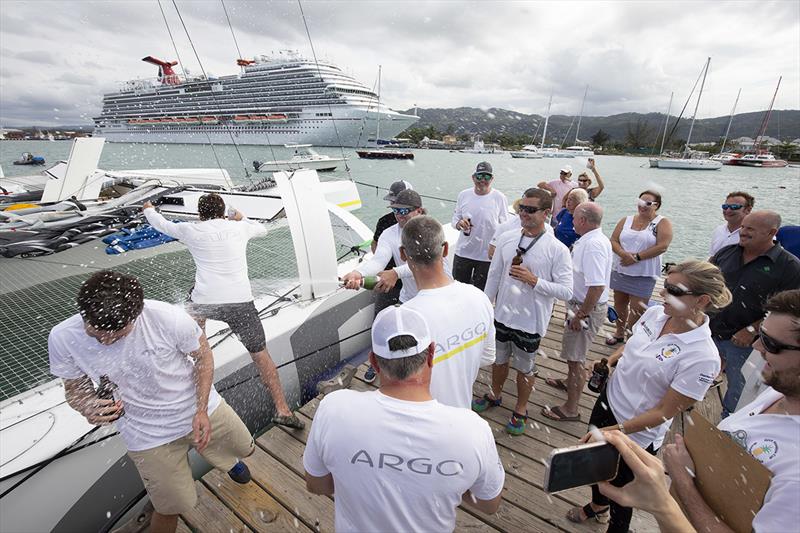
(369,282)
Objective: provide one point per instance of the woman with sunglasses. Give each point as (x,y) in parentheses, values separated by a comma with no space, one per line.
(565,230)
(667,365)
(638,242)
(585,182)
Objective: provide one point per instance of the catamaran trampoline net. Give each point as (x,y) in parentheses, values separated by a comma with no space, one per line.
(38,293)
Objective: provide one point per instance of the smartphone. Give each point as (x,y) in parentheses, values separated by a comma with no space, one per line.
(576,466)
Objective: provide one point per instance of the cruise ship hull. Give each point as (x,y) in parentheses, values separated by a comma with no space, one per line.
(353,128)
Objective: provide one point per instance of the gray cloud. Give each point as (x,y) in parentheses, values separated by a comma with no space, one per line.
(511,55)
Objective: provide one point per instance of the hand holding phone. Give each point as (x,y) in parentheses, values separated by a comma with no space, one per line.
(584,464)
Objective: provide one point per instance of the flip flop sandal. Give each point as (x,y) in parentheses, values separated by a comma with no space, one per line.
(557,415)
(556,383)
(289,421)
(574,514)
(613,341)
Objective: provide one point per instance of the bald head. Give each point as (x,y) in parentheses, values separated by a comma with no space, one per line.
(588,216)
(758,230)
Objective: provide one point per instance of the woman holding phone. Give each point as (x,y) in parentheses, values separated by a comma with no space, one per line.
(667,365)
(638,242)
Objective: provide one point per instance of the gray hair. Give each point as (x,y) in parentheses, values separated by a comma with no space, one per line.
(580,194)
(404,367)
(591,211)
(422,239)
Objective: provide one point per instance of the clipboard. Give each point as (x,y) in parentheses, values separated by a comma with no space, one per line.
(731,481)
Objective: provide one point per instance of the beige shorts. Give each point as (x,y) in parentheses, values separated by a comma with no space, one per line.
(575,344)
(165,469)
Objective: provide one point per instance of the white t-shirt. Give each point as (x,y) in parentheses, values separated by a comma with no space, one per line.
(591,261)
(774,440)
(461,321)
(485,212)
(154,376)
(512,223)
(634,241)
(517,304)
(219,249)
(722,238)
(651,365)
(400,465)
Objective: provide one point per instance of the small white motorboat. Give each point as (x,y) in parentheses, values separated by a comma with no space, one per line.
(303,157)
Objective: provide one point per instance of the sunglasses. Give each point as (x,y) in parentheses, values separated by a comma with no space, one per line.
(530,209)
(403,211)
(645,203)
(675,290)
(772,345)
(732,207)
(483,177)
(582,180)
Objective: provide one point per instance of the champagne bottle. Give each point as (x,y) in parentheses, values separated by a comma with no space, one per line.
(106,390)
(468,231)
(599,375)
(369,282)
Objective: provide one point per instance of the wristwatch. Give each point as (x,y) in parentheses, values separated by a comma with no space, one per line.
(637,257)
(621,427)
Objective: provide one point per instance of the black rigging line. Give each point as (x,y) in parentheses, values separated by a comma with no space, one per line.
(678,119)
(180,62)
(319,73)
(231,28)
(213,96)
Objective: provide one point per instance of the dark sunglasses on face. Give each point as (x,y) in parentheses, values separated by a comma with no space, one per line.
(403,211)
(732,207)
(675,290)
(530,209)
(483,177)
(773,345)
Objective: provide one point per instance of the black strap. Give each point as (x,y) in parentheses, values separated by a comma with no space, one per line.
(522,251)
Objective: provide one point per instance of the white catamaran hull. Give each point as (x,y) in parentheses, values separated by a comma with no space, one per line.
(689,164)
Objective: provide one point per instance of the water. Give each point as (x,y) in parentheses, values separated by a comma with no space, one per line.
(691,199)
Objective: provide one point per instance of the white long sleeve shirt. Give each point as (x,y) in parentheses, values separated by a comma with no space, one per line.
(485,213)
(219,249)
(517,304)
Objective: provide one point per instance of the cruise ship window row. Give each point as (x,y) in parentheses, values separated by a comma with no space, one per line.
(223,107)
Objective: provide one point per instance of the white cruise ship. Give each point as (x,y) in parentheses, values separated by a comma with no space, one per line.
(278,99)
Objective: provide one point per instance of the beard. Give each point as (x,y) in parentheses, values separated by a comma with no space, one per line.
(787,383)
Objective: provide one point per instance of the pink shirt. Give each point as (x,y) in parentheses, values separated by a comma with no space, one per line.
(561,189)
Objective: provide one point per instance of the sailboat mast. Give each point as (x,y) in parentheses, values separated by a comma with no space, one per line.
(730,120)
(378,127)
(580,115)
(765,123)
(666,123)
(546,120)
(694,115)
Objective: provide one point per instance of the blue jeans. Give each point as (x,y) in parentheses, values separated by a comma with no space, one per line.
(734,357)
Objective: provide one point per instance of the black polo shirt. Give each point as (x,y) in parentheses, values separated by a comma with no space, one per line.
(752,284)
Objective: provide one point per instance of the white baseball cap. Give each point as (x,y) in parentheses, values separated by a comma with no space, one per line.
(399,320)
(567,169)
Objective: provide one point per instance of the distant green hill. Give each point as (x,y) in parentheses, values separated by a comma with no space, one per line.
(784,124)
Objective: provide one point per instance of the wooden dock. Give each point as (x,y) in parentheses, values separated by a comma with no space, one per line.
(277,499)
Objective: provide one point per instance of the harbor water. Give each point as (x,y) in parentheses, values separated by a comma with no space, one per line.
(691,199)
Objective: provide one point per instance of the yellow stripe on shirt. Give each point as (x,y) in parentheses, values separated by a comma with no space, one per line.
(454,351)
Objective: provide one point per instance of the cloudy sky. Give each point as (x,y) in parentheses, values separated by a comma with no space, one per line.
(58,58)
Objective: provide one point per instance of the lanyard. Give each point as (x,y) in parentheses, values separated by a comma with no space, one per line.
(522,251)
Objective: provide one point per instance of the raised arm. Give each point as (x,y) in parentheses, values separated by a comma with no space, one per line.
(155,219)
(597,191)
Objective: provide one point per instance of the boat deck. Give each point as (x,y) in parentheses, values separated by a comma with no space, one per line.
(277,499)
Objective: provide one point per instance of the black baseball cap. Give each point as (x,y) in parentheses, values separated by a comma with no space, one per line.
(407,198)
(395,189)
(484,168)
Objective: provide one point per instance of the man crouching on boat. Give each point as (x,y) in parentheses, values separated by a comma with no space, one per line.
(222,285)
(162,401)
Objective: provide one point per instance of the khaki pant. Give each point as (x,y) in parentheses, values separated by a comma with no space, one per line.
(575,344)
(165,469)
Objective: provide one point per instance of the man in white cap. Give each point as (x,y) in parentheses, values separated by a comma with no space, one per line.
(479,210)
(559,188)
(395,458)
(385,299)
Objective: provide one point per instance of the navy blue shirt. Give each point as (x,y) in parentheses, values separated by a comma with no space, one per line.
(751,284)
(564,230)
(789,237)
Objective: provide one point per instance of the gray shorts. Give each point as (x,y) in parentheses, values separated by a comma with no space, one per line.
(523,362)
(242,318)
(575,344)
